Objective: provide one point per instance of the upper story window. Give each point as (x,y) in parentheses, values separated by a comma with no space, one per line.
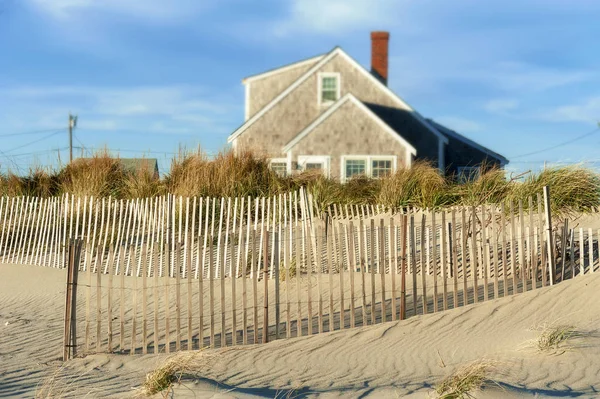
(329,88)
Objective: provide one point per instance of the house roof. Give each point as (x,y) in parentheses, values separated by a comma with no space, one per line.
(457,136)
(362,106)
(336,51)
(406,124)
(282,68)
(134,165)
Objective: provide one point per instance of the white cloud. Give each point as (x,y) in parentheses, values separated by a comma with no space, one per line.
(501,76)
(337,16)
(459,124)
(501,105)
(154,10)
(587,112)
(160,109)
(523,77)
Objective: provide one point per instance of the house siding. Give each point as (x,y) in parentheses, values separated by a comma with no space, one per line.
(263,90)
(349,131)
(293,113)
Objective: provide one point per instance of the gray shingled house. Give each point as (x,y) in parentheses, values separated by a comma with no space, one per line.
(330,113)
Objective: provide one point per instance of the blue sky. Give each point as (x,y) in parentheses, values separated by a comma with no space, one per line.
(151,75)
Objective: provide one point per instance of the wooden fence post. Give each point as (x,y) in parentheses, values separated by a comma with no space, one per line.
(265,237)
(276,266)
(551,260)
(70,321)
(403,266)
(563,248)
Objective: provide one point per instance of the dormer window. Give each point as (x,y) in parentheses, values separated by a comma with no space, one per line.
(329,88)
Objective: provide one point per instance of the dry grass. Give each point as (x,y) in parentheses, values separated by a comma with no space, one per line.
(171,372)
(141,184)
(59,385)
(420,186)
(100,176)
(553,337)
(573,189)
(227,175)
(490,188)
(289,273)
(465,380)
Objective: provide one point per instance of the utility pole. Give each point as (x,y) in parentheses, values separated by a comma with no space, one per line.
(72,124)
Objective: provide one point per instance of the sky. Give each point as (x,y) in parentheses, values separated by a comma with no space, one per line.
(148,77)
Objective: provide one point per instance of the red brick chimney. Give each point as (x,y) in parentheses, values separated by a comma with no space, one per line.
(379,55)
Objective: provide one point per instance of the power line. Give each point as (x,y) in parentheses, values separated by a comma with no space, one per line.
(126,150)
(558,145)
(592,161)
(29,132)
(33,152)
(35,141)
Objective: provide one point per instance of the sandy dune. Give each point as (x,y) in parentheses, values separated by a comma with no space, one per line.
(396,359)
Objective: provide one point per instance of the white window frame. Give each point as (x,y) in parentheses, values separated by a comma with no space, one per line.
(369,163)
(323,159)
(320,77)
(460,170)
(286,161)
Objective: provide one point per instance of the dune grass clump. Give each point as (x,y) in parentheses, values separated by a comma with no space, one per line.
(226,175)
(491,187)
(62,384)
(101,176)
(169,373)
(39,182)
(141,184)
(421,185)
(572,189)
(325,191)
(551,338)
(465,380)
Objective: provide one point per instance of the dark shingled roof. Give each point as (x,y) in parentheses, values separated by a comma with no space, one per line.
(406,124)
(135,165)
(452,134)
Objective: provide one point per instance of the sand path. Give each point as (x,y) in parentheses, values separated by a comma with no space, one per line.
(396,359)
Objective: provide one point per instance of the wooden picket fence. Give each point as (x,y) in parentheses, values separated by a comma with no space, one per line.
(171,273)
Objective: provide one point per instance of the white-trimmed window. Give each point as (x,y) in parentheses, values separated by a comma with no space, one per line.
(313,163)
(375,166)
(381,167)
(468,173)
(328,88)
(355,167)
(280,166)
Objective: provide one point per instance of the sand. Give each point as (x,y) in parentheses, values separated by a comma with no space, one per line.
(395,359)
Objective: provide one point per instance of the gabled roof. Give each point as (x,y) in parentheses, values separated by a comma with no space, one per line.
(135,165)
(336,51)
(280,69)
(333,108)
(406,124)
(457,136)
